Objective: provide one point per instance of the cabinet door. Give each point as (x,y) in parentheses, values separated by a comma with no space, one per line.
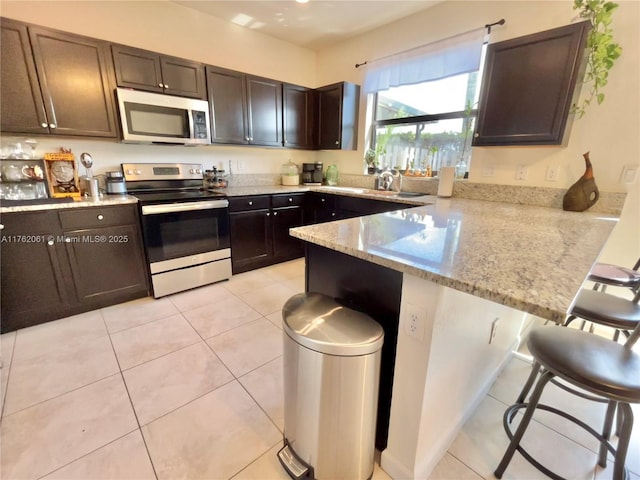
(528,87)
(22,106)
(32,268)
(298,116)
(183,77)
(264,111)
(74,78)
(137,68)
(329,115)
(320,208)
(107,264)
(251,244)
(338,107)
(227,101)
(285,246)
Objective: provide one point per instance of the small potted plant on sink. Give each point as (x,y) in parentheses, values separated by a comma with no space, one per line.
(371,159)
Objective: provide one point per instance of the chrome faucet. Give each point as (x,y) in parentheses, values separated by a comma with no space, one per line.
(390,182)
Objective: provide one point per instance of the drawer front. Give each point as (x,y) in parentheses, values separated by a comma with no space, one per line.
(253,202)
(96,217)
(287,200)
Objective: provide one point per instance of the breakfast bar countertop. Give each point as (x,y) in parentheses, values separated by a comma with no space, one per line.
(530,258)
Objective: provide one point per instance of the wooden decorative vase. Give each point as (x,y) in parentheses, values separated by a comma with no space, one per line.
(584,193)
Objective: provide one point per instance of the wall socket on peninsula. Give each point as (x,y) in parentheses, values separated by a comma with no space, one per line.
(415,318)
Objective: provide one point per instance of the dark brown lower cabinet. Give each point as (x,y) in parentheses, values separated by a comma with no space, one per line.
(260,230)
(50,271)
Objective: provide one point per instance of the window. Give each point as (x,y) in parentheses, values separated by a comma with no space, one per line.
(423,103)
(428,125)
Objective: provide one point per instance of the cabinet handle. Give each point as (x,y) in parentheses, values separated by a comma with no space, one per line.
(274,213)
(1,227)
(166,86)
(50,242)
(333,214)
(251,139)
(268,214)
(160,85)
(52,125)
(476,135)
(247,138)
(337,142)
(322,200)
(250,203)
(100,217)
(44,125)
(290,199)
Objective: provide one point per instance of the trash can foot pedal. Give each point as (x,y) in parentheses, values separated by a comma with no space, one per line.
(295,467)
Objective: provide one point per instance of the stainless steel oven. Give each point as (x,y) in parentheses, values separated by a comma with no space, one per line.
(185,227)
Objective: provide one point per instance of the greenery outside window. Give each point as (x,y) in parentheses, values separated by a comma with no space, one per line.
(428,125)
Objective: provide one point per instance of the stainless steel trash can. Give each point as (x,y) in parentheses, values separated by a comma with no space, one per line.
(331,376)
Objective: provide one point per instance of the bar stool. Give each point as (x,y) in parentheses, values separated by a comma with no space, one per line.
(605,309)
(604,368)
(603,274)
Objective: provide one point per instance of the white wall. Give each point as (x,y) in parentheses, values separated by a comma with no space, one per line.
(609,131)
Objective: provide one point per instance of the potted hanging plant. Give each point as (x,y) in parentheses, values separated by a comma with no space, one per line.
(602,50)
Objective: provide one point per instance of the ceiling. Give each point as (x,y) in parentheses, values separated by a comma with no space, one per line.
(312,25)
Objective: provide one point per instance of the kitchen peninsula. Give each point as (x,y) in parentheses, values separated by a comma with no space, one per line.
(440,279)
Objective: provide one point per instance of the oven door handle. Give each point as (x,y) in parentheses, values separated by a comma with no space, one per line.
(183,207)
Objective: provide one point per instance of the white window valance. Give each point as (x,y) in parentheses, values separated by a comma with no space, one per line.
(443,58)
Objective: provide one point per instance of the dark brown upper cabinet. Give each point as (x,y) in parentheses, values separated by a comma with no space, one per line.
(244,109)
(338,106)
(55,83)
(299,116)
(529,86)
(150,71)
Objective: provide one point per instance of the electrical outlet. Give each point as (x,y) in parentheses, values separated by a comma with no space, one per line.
(521,172)
(494,330)
(489,171)
(552,173)
(415,319)
(629,173)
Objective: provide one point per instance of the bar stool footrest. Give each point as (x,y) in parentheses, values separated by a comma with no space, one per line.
(509,415)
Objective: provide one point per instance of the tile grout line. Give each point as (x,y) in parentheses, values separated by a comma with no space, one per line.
(135,414)
(4,392)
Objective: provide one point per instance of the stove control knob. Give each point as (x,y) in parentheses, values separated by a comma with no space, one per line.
(137,172)
(198,171)
(192,171)
(129,171)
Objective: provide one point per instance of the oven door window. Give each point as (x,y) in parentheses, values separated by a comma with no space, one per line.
(180,234)
(157,121)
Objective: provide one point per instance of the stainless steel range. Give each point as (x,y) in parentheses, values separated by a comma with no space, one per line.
(185,227)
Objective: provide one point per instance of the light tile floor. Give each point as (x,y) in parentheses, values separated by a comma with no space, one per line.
(189,386)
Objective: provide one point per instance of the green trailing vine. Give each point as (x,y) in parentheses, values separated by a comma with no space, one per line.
(602,49)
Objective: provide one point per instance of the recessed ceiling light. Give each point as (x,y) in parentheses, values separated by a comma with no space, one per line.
(242,19)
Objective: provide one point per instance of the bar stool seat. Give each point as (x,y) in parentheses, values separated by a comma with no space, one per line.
(588,361)
(598,365)
(615,275)
(605,309)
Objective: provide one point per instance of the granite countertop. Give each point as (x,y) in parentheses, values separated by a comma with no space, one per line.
(530,258)
(60,203)
(54,203)
(418,199)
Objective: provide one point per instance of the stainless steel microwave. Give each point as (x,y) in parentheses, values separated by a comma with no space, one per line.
(155,118)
